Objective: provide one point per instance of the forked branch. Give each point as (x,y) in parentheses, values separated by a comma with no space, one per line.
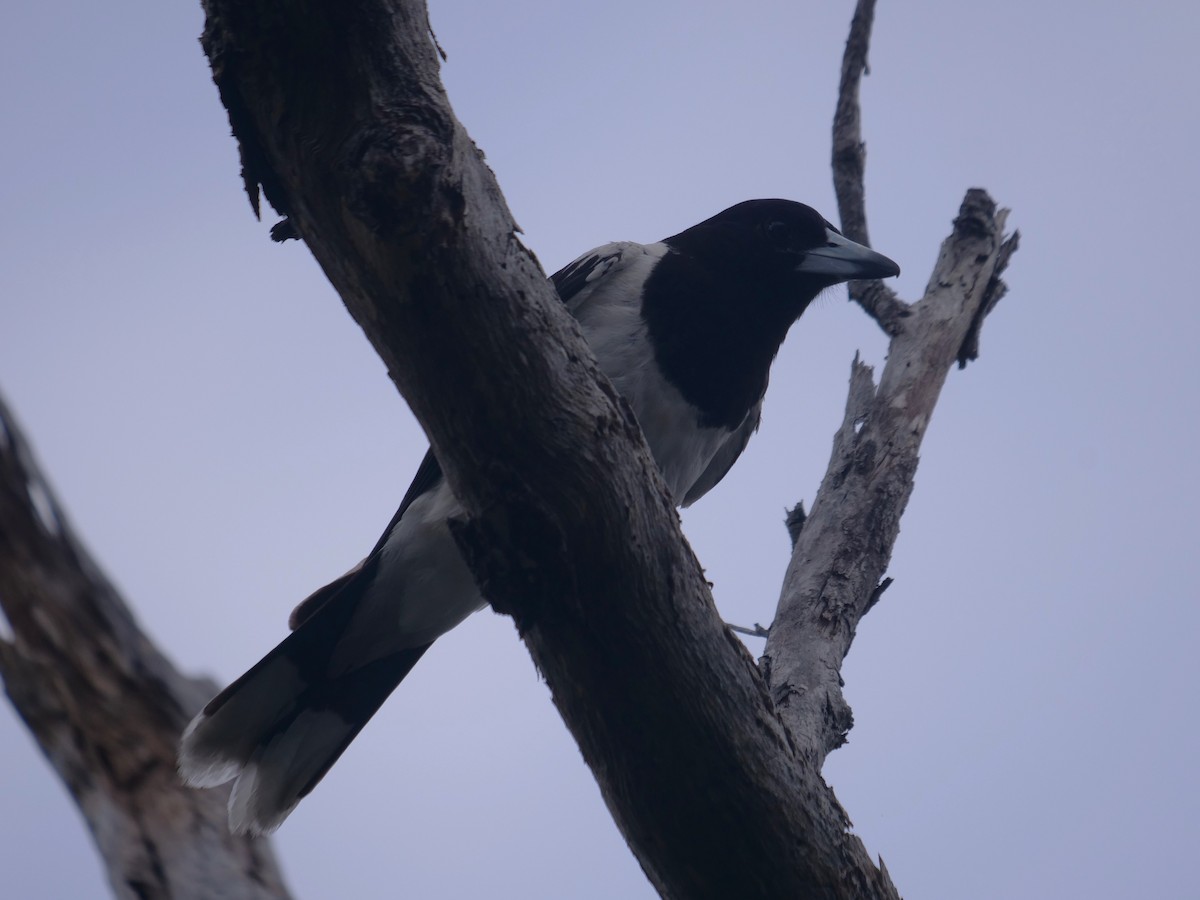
(840,555)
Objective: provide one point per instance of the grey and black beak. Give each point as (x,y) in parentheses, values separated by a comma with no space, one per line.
(840,259)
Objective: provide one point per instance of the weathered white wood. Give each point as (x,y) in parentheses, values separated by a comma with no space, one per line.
(842,551)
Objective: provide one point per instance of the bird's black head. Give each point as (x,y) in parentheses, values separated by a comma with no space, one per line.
(783,244)
(720,303)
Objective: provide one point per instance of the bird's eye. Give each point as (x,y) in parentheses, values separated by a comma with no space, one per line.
(779,235)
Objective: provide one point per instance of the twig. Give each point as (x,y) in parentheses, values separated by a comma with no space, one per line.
(849,161)
(756,631)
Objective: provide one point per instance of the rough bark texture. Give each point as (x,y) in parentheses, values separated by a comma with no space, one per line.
(343,124)
(342,121)
(107,708)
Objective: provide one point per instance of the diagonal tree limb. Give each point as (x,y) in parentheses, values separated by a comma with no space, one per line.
(840,555)
(107,707)
(343,123)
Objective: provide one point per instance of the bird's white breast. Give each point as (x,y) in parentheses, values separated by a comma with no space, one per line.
(610,314)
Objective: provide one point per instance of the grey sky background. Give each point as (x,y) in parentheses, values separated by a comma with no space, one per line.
(226,440)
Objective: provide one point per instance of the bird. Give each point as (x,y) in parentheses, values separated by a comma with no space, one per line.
(686,329)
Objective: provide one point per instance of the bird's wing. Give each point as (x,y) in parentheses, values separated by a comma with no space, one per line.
(429,473)
(587,271)
(570,282)
(725,456)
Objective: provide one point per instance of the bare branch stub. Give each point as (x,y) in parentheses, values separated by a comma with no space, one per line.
(284,230)
(794,521)
(996,290)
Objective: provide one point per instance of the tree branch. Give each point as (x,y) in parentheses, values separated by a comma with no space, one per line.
(840,555)
(849,167)
(107,707)
(343,122)
(843,550)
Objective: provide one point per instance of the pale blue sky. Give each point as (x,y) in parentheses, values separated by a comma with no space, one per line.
(226,440)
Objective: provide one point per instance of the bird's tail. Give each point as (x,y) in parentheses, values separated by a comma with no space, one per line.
(279,727)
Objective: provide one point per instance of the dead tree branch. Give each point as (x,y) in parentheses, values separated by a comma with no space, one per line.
(342,121)
(849,168)
(107,707)
(840,555)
